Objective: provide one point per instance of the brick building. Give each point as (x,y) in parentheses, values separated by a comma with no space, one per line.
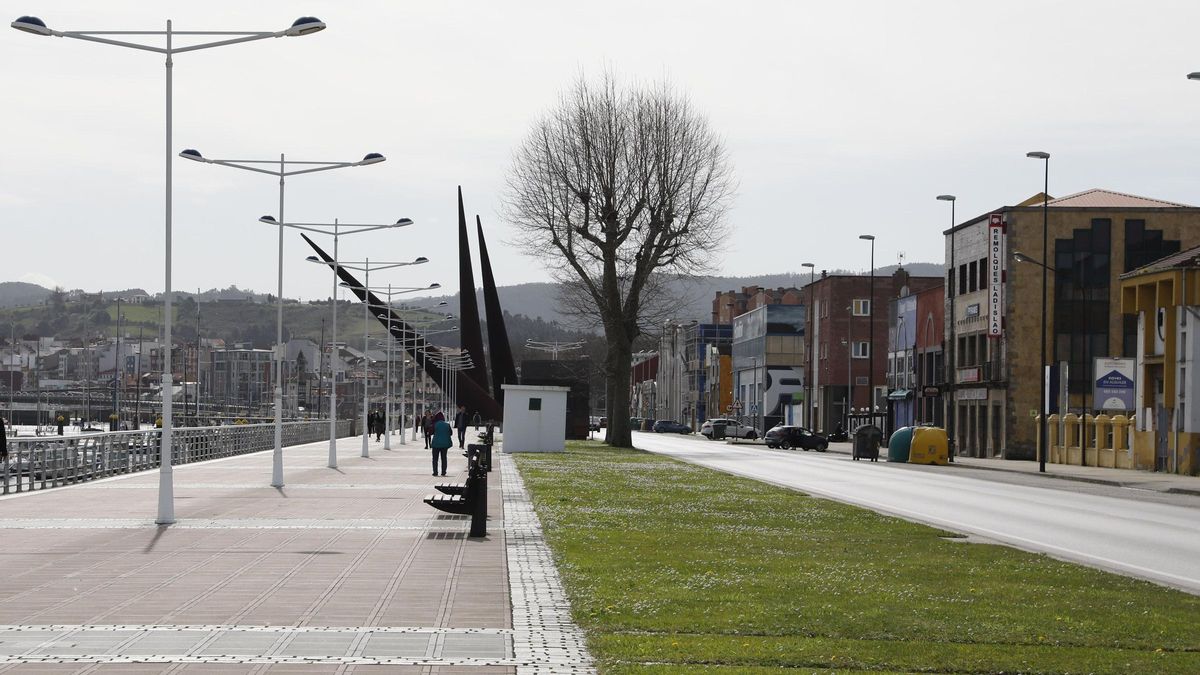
(728,304)
(841,327)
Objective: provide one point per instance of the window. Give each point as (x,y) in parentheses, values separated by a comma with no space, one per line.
(535,404)
(972,276)
(862,350)
(962,278)
(983,268)
(862,307)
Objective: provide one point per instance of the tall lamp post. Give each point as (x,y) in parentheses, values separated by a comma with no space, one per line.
(951,345)
(808,374)
(871,333)
(334,229)
(425,353)
(1045,157)
(281,168)
(302,26)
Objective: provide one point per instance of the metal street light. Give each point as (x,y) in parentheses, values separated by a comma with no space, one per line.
(952,346)
(334,229)
(388,291)
(365,267)
(282,172)
(1045,157)
(808,372)
(871,333)
(302,26)
(424,349)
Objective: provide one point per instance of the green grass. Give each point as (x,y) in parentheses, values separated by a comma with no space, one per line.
(676,568)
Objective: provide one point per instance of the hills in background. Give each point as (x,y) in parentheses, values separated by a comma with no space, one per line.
(247,316)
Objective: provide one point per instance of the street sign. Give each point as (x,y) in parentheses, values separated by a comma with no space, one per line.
(1115,385)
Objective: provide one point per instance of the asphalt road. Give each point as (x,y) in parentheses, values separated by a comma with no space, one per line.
(1154,541)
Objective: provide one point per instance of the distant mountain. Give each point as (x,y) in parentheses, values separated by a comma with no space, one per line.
(21,294)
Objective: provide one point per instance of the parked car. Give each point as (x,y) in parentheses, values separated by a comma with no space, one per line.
(670,427)
(733,429)
(786,437)
(593,423)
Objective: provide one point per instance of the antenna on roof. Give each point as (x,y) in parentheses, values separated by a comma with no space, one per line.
(900,258)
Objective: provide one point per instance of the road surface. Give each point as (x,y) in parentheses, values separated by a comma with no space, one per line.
(1154,541)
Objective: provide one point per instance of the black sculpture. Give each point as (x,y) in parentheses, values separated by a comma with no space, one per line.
(470,331)
(503,369)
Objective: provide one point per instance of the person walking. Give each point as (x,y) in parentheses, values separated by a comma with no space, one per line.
(419,427)
(378,425)
(441,441)
(460,425)
(429,422)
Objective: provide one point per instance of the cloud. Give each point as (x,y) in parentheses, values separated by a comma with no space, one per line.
(39,279)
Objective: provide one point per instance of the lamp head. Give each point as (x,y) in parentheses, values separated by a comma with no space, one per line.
(945,198)
(32,24)
(371,158)
(807,265)
(304,26)
(1194,76)
(442,304)
(435,285)
(420,260)
(313,258)
(867,237)
(1021,257)
(403,222)
(193,154)
(1037,154)
(270,220)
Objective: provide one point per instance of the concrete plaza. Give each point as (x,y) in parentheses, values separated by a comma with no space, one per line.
(341,571)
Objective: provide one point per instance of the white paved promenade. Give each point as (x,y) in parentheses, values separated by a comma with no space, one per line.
(340,571)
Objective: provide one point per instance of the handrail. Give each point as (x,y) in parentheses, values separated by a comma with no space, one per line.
(40,462)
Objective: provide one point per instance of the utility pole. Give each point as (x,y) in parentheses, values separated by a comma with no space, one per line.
(137,409)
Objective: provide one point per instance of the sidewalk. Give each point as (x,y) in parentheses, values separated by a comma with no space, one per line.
(1126,478)
(340,571)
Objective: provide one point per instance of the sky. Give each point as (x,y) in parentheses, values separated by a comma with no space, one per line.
(841,119)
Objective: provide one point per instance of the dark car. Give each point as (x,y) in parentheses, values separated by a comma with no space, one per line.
(786,437)
(669,427)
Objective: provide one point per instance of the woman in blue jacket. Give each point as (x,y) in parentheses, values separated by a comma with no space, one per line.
(441,441)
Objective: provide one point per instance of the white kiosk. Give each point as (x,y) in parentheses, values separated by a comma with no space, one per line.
(535,418)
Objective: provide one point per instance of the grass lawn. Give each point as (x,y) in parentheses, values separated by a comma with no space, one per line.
(677,568)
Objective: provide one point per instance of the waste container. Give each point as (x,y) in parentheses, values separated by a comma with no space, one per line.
(930,445)
(718,431)
(867,439)
(647,425)
(899,444)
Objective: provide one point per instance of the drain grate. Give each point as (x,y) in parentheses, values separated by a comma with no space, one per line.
(445,516)
(446,535)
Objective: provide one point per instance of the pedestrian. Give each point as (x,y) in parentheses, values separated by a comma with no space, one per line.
(441,441)
(419,427)
(429,422)
(460,424)
(378,425)
(4,441)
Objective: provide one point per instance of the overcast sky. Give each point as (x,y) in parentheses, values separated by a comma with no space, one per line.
(841,118)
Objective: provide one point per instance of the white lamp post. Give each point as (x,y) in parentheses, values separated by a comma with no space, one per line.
(282,172)
(334,228)
(424,353)
(301,26)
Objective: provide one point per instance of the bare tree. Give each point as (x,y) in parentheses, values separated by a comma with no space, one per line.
(615,190)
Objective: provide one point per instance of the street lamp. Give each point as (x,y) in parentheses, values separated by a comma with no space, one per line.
(808,372)
(282,172)
(365,267)
(388,292)
(871,333)
(334,228)
(1045,157)
(952,346)
(302,26)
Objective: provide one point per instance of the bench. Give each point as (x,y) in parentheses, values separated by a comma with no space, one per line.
(466,498)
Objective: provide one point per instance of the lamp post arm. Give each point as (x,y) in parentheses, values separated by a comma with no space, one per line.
(315,169)
(222,43)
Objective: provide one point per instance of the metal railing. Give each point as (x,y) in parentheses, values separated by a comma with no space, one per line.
(40,462)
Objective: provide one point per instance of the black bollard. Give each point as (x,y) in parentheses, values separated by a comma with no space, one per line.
(478,496)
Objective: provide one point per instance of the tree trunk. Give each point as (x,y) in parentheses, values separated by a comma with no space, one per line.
(618,366)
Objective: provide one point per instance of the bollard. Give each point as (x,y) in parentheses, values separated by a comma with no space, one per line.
(478,495)
(1104,451)
(1056,453)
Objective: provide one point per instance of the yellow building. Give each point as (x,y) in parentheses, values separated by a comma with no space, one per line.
(1164,296)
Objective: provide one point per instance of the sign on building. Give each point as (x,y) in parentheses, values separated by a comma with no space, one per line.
(995,274)
(1114,386)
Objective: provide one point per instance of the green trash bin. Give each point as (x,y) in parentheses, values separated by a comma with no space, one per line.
(899,444)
